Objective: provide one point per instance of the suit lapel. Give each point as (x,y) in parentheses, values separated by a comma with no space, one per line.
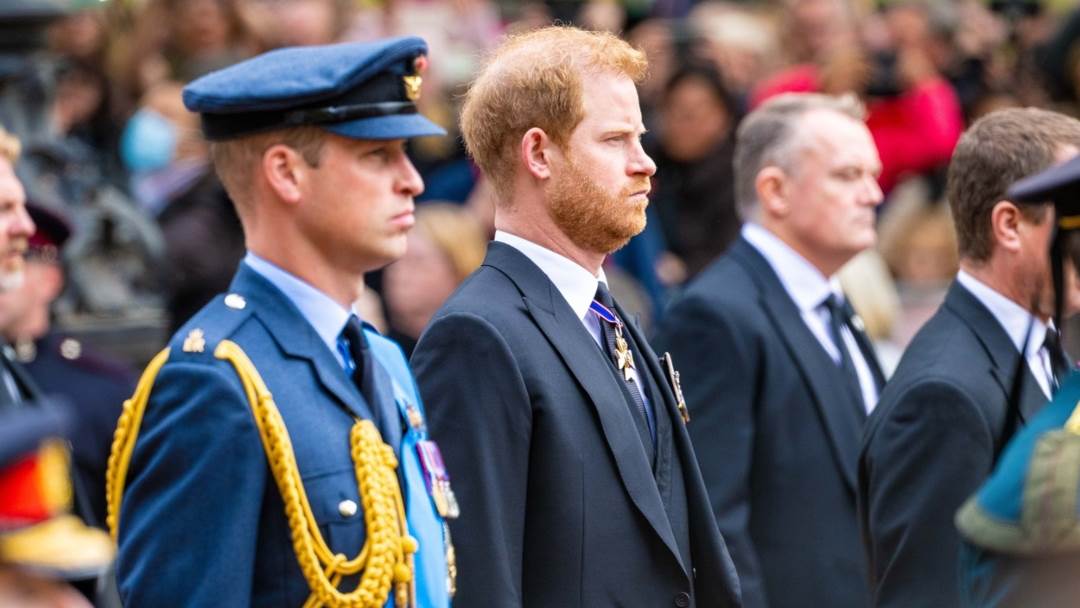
(297,338)
(579,352)
(999,348)
(830,396)
(383,396)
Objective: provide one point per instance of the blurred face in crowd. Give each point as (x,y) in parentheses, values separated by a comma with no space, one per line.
(202,27)
(830,192)
(358,203)
(24,310)
(600,185)
(305,22)
(817,26)
(15,228)
(929,256)
(417,285)
(695,120)
(24,590)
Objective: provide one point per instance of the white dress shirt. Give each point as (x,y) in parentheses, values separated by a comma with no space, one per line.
(325,315)
(808,288)
(1016,320)
(577,286)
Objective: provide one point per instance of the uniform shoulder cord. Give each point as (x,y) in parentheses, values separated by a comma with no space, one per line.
(386,558)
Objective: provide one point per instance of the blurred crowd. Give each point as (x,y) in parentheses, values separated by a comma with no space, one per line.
(93,89)
(136,232)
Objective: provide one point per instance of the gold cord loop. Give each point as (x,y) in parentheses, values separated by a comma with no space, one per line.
(386,559)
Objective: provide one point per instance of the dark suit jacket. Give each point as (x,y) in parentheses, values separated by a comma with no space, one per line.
(930,444)
(96,387)
(776,432)
(559,506)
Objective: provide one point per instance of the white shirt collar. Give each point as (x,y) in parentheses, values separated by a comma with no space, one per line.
(803,282)
(325,315)
(1014,319)
(577,285)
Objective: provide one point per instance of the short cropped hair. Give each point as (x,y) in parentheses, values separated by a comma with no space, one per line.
(235,160)
(769,137)
(10,148)
(996,151)
(535,80)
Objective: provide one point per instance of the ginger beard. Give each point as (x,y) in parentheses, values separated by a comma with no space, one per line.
(590,216)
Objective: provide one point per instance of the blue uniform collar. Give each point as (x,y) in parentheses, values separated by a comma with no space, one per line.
(325,315)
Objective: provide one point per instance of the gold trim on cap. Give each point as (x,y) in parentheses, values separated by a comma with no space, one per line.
(1069,222)
(412,87)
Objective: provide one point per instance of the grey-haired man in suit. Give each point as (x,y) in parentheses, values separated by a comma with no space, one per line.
(777,371)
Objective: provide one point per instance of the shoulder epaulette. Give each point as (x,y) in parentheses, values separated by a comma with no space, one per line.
(217,321)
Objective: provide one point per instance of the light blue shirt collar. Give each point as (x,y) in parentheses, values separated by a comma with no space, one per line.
(325,315)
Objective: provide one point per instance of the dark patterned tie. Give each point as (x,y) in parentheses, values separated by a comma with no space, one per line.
(838,318)
(358,364)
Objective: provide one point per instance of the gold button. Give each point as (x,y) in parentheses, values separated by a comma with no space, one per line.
(70,349)
(347,508)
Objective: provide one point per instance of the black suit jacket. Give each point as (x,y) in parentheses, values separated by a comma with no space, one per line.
(776,432)
(929,445)
(558,500)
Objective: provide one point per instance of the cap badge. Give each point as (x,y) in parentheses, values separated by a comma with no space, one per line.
(412,87)
(195,342)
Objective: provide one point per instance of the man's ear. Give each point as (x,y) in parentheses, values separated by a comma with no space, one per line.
(52,281)
(285,171)
(773,193)
(1004,225)
(537,150)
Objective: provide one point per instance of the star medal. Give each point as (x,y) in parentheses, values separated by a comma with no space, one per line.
(624,359)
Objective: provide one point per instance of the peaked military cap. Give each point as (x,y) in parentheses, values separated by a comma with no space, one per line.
(357,90)
(1059,184)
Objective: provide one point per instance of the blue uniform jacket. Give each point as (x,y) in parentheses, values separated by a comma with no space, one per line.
(202,521)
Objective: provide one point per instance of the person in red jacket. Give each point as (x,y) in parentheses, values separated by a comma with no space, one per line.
(913,112)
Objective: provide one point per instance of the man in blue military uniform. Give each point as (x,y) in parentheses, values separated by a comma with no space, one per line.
(275,454)
(1021,530)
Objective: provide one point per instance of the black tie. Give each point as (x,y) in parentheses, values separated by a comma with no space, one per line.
(641,414)
(1059,361)
(362,369)
(838,318)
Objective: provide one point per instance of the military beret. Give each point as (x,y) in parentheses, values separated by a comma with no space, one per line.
(1059,184)
(356,90)
(53,229)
